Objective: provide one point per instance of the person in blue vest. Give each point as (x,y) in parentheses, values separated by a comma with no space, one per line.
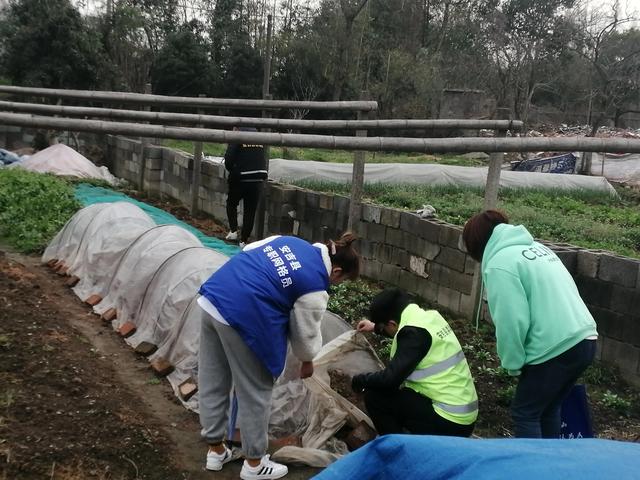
(272,292)
(544,331)
(427,387)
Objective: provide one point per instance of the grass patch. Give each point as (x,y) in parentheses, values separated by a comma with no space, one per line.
(33,208)
(589,219)
(332,156)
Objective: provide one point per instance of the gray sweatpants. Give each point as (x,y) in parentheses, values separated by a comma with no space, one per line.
(225,360)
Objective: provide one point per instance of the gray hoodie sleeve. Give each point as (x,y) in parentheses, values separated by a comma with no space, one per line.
(304,325)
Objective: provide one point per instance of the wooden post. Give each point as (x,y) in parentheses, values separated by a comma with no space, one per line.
(261,212)
(495,166)
(144,146)
(357,179)
(196,176)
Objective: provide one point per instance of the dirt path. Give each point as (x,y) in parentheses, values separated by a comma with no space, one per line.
(76,402)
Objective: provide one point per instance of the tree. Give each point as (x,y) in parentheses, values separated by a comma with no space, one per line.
(182,66)
(48,45)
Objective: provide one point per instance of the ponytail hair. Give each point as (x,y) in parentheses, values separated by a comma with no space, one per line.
(344,256)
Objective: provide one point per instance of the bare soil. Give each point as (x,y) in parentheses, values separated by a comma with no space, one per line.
(75,401)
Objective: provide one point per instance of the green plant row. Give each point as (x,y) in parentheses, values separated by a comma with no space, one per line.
(33,208)
(580,217)
(333,156)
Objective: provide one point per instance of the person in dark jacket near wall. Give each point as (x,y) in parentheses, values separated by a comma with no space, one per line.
(247,167)
(427,387)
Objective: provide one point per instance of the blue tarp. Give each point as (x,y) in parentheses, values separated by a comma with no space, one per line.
(408,457)
(559,164)
(89,194)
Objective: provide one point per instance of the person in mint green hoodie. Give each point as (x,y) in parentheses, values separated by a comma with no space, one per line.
(544,331)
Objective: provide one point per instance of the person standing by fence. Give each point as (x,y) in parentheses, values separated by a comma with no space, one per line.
(544,331)
(247,167)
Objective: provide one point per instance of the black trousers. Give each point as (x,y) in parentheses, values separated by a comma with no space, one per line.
(542,389)
(399,411)
(249,193)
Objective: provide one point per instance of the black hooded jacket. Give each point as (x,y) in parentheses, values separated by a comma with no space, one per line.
(245,162)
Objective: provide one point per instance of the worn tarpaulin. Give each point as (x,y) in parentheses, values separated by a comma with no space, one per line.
(453,458)
(89,195)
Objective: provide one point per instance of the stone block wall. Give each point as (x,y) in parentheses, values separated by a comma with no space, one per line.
(397,247)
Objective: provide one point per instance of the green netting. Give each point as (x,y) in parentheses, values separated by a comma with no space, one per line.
(88,195)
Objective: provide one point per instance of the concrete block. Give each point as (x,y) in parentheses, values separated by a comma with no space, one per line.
(153,153)
(467,305)
(620,270)
(599,347)
(610,324)
(311,199)
(153,163)
(325,201)
(366,248)
(594,291)
(372,269)
(390,217)
(409,222)
(371,213)
(626,357)
(452,258)
(428,290)
(407,281)
(448,298)
(454,280)
(434,270)
(154,176)
(328,218)
(624,300)
(394,237)
(569,258)
(450,235)
(162,367)
(146,348)
(470,265)
(390,274)
(341,203)
(400,257)
(412,243)
(376,232)
(429,250)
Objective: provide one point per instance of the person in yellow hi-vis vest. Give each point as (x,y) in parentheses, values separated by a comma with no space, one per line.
(427,387)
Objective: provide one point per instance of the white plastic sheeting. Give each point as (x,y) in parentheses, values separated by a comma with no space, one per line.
(151,275)
(171,289)
(65,243)
(100,225)
(619,168)
(103,255)
(429,174)
(138,265)
(60,159)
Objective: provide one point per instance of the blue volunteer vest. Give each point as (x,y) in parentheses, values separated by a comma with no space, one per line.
(255,292)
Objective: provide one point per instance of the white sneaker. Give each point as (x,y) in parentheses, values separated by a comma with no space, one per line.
(232,236)
(215,461)
(267,470)
(242,245)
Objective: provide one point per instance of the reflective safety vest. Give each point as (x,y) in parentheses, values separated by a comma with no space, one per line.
(443,375)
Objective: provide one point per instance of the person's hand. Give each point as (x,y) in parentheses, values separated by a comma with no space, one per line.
(358,382)
(366,326)
(306,370)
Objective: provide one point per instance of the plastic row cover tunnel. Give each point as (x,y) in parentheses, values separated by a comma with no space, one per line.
(144,279)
